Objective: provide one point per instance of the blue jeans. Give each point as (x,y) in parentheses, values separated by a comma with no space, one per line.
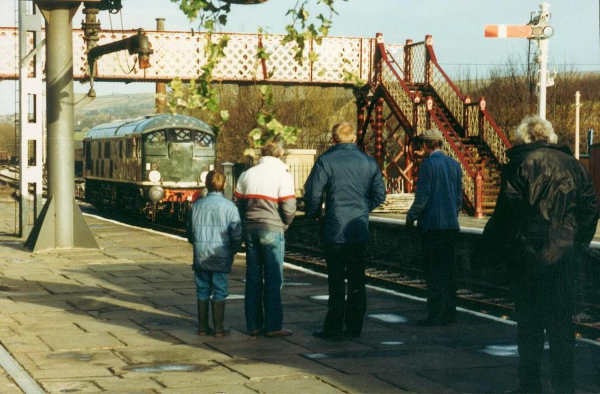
(211,283)
(264,279)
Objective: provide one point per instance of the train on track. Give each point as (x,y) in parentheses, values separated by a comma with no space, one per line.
(155,165)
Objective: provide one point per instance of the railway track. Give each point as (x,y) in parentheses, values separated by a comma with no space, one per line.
(490,300)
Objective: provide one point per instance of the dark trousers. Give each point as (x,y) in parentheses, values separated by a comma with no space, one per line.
(345,261)
(439,261)
(545,302)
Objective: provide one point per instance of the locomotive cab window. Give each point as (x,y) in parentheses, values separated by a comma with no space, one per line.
(156,139)
(180,135)
(203,140)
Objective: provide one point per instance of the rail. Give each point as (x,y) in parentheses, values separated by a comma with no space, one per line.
(395,87)
(444,87)
(491,134)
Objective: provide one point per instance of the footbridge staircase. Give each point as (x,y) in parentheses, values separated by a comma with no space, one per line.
(419,95)
(405,93)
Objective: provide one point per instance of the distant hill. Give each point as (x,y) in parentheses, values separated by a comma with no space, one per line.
(102,109)
(126,105)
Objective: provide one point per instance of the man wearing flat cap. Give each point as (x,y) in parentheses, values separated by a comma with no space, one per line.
(438,201)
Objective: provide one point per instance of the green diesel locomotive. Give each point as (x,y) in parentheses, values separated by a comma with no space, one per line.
(155,165)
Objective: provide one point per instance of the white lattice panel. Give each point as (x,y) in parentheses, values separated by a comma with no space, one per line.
(182,54)
(418,62)
(396,57)
(281,64)
(9,46)
(335,56)
(240,62)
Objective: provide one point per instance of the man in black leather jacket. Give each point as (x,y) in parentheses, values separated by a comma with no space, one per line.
(545,213)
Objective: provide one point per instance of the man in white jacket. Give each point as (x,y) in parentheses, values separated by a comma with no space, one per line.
(267,201)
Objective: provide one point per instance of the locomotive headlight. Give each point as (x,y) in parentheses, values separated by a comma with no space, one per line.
(156,193)
(203,177)
(154,176)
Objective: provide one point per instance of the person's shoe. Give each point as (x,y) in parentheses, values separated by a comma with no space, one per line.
(431,322)
(351,334)
(281,333)
(255,333)
(331,336)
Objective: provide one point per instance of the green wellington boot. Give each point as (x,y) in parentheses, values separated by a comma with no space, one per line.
(203,327)
(218,314)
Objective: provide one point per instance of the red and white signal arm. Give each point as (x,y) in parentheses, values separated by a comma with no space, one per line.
(508,31)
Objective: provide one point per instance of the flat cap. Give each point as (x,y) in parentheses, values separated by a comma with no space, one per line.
(432,134)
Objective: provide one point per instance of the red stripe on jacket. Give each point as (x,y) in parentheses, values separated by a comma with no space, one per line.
(262,197)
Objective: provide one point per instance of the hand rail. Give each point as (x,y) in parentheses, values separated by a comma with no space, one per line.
(493,136)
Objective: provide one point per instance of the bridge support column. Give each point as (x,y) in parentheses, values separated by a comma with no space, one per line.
(478,196)
(361,106)
(378,130)
(60,224)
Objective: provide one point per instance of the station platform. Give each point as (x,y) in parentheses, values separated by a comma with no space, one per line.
(122,320)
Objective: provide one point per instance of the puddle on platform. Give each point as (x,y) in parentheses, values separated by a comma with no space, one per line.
(391,343)
(505,350)
(170,323)
(165,368)
(315,356)
(72,355)
(389,318)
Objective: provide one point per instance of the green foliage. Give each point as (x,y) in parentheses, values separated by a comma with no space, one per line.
(352,77)
(200,94)
(268,126)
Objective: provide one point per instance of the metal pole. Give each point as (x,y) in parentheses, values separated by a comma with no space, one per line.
(59,81)
(161,87)
(543,45)
(60,224)
(577,106)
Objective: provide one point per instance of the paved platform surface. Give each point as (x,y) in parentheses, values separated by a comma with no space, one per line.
(122,320)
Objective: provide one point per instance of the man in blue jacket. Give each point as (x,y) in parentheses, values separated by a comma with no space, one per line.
(438,201)
(351,185)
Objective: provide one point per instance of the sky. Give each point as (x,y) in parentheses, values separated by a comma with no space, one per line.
(457,28)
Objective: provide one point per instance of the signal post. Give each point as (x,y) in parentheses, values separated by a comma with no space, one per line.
(540,31)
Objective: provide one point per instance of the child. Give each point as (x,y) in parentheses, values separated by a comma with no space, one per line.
(215,229)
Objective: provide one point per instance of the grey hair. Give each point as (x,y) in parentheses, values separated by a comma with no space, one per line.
(343,132)
(533,128)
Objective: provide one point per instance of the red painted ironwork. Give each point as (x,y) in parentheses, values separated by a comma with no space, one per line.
(478,195)
(378,130)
